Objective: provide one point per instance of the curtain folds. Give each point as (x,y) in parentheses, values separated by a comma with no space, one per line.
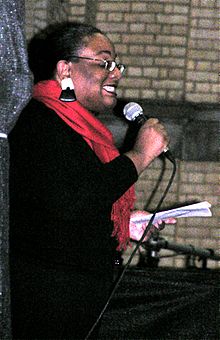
(164,304)
(15,91)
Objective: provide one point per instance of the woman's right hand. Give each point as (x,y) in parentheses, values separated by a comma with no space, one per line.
(151,141)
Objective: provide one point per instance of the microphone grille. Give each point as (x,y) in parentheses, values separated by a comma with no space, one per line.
(132,110)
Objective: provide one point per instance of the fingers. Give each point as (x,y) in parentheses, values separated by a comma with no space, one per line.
(152,121)
(161,224)
(151,141)
(137,230)
(159,130)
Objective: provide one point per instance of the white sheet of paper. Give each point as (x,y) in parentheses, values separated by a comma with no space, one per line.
(194,210)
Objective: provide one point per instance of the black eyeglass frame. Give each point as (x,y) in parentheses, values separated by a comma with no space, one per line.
(109,65)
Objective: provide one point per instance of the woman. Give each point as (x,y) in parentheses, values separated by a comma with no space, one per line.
(71,192)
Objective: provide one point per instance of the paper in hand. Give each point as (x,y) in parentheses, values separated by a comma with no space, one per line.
(194,210)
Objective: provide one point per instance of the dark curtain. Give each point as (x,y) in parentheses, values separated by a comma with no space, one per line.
(15,90)
(164,304)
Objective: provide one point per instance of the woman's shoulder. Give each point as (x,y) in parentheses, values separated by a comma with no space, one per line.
(36,115)
(39,121)
(35,109)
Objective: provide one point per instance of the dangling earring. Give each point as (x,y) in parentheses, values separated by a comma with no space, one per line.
(68,93)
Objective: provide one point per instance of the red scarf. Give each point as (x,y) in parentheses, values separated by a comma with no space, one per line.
(99,138)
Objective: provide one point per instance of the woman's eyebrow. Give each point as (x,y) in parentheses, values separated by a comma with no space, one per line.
(106,52)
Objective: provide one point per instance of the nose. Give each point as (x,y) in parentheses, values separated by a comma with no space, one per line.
(116,74)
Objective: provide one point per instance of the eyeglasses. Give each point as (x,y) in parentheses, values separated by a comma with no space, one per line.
(109,65)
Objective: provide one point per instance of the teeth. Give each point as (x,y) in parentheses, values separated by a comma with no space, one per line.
(109,88)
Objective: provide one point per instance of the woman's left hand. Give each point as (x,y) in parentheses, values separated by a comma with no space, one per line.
(136,230)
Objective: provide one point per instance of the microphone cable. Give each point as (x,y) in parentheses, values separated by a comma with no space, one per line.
(148,228)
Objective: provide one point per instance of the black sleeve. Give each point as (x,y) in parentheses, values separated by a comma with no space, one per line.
(56,167)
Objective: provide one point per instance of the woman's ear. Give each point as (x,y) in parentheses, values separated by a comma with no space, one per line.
(66,83)
(62,70)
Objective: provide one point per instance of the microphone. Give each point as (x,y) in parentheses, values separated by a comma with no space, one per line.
(134,112)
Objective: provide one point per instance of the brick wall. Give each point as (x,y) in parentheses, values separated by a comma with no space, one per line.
(40,13)
(171,51)
(170,46)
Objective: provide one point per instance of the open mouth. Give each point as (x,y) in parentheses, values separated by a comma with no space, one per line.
(111,89)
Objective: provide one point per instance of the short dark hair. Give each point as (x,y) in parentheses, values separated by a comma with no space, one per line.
(56,42)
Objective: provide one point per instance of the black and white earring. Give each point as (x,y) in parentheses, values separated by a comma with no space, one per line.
(68,93)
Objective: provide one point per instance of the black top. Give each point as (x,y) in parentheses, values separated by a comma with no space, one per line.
(61,194)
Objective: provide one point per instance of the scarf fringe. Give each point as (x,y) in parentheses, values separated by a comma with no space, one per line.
(121,218)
